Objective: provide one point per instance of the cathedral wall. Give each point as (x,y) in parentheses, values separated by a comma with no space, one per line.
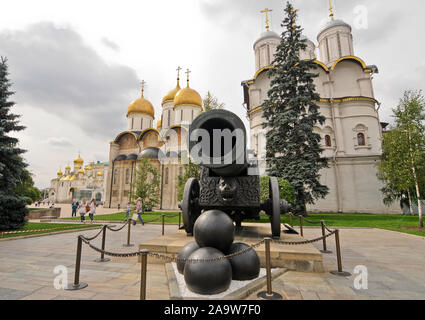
(358,193)
(345,77)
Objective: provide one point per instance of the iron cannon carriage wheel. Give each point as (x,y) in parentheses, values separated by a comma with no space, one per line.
(274,207)
(190,205)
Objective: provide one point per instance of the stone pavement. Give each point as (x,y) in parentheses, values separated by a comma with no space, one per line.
(395,263)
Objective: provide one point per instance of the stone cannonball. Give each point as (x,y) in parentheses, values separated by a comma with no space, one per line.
(245,266)
(208,278)
(184,253)
(214,229)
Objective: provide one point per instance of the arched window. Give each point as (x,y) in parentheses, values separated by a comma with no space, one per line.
(127,176)
(166,175)
(168,118)
(361,141)
(115,176)
(328,141)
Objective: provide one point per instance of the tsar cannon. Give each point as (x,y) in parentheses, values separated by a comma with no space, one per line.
(229,181)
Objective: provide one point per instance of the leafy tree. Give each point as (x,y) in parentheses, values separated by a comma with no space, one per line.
(210,102)
(293,150)
(286,191)
(403,162)
(146,184)
(25,187)
(12,206)
(190,170)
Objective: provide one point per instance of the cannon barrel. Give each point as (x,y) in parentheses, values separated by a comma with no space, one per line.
(220,145)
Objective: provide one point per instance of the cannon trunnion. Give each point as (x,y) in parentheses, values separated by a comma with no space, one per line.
(228,181)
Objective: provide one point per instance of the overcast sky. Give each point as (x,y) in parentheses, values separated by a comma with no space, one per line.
(77,65)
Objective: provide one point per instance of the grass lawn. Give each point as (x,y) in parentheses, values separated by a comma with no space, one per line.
(54,227)
(120,216)
(388,222)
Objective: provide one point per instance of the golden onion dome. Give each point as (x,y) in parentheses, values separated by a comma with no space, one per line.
(89,168)
(99,173)
(79,160)
(77,167)
(68,177)
(68,168)
(60,173)
(73,178)
(172,94)
(159,124)
(81,171)
(141,105)
(188,97)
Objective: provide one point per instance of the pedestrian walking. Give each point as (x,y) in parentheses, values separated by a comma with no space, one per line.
(139,209)
(92,210)
(127,212)
(74,207)
(82,210)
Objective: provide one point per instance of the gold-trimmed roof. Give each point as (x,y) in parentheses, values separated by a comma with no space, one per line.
(172,94)
(73,178)
(188,97)
(141,105)
(79,160)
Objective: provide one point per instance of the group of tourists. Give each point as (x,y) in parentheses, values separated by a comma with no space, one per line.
(38,203)
(83,208)
(139,211)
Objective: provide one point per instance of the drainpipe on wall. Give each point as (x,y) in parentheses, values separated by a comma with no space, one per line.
(162,184)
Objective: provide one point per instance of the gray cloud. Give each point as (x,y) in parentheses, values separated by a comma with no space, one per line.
(59,142)
(110,44)
(53,69)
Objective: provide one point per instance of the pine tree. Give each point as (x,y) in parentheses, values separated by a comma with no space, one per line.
(12,207)
(293,149)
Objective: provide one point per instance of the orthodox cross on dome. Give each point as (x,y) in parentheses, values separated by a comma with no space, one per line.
(178,72)
(187,74)
(143,83)
(331,12)
(266,11)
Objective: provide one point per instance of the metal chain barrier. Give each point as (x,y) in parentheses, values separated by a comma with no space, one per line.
(304,242)
(119,229)
(36,230)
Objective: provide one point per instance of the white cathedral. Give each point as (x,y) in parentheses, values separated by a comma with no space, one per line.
(352,132)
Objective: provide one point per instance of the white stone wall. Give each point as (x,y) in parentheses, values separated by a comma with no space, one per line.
(139,122)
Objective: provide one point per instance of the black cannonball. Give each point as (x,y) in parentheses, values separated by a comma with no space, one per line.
(184,253)
(245,266)
(208,278)
(214,229)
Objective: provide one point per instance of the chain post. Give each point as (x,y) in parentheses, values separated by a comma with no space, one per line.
(144,263)
(291,222)
(163,222)
(77,285)
(325,250)
(180,219)
(269,294)
(301,226)
(339,272)
(102,255)
(128,244)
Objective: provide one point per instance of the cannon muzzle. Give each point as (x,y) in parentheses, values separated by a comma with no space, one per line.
(217,140)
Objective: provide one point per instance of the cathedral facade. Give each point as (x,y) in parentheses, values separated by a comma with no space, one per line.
(80,182)
(352,132)
(163,145)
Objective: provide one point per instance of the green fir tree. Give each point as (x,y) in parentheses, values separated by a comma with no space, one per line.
(293,149)
(12,206)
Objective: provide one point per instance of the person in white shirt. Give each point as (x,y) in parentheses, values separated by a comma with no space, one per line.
(92,209)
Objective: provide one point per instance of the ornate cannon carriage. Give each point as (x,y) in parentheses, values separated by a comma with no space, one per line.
(228,180)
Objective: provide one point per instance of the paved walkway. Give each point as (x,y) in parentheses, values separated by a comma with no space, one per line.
(395,264)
